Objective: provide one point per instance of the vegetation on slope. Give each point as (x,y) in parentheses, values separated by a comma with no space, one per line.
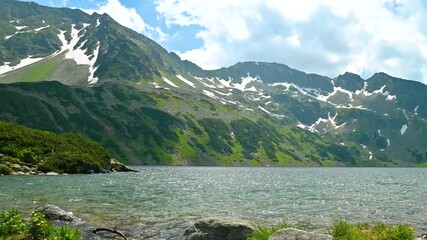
(49,152)
(14,227)
(161,127)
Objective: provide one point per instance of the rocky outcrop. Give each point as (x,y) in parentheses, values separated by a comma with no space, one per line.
(116,166)
(55,213)
(296,234)
(215,229)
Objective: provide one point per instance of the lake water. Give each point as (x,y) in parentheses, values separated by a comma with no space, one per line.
(160,202)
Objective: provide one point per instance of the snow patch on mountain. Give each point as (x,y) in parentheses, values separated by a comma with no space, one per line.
(201,80)
(24,62)
(75,51)
(169,82)
(19,28)
(312,128)
(189,83)
(209,94)
(336,90)
(41,28)
(270,113)
(97,23)
(391,97)
(264,110)
(301,125)
(332,121)
(245,81)
(9,36)
(156,86)
(224,83)
(221,93)
(92,69)
(403,129)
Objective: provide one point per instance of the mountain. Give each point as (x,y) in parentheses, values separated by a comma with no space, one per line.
(65,70)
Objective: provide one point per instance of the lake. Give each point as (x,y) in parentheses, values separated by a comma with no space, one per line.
(160,202)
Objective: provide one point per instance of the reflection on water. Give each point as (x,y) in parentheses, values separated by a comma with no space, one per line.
(163,201)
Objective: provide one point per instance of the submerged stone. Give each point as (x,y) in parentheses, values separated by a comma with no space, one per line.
(55,213)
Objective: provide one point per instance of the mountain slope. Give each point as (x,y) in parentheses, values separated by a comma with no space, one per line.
(128,121)
(91,46)
(48,152)
(148,106)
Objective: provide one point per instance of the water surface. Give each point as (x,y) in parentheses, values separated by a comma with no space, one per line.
(160,202)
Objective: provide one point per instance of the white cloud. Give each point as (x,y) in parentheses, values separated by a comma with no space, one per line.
(322,36)
(130,18)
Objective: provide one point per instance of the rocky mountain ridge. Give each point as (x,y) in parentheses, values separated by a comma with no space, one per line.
(149,106)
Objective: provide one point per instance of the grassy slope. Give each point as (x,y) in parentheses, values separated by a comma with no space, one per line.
(69,153)
(184,131)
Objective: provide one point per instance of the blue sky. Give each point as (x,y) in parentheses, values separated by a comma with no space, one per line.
(328,37)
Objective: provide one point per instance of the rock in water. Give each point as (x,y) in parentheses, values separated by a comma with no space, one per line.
(55,213)
(219,229)
(116,166)
(296,234)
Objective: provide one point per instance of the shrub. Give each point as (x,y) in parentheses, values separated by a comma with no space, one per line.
(10,160)
(39,227)
(12,227)
(343,230)
(11,223)
(67,233)
(5,170)
(264,233)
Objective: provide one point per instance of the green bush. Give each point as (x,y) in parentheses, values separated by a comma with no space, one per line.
(264,233)
(9,159)
(11,223)
(343,230)
(69,153)
(13,227)
(5,170)
(68,233)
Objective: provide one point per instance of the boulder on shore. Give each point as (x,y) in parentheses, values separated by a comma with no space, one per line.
(215,229)
(116,166)
(55,213)
(296,234)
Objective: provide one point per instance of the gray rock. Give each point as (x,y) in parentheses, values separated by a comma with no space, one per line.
(52,174)
(26,169)
(55,213)
(1,155)
(422,237)
(296,234)
(116,166)
(219,229)
(16,167)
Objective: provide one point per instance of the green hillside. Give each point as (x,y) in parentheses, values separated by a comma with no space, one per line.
(48,152)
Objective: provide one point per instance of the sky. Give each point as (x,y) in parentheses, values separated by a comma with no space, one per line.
(328,37)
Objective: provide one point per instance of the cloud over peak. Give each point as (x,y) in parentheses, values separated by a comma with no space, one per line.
(325,36)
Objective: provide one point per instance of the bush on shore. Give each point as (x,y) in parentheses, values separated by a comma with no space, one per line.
(50,152)
(14,227)
(343,230)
